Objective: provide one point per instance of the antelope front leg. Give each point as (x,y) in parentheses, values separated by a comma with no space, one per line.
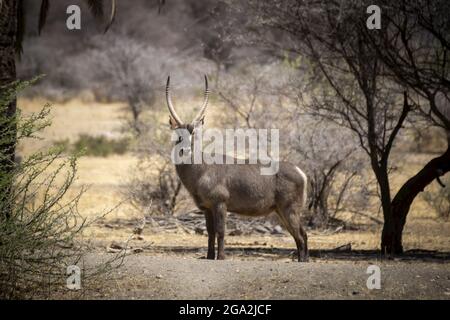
(220,215)
(210,227)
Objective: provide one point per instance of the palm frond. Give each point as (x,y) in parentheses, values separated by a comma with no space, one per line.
(20,27)
(96,7)
(45,5)
(161,4)
(113,14)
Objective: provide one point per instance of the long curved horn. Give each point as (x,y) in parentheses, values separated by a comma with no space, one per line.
(172,111)
(201,113)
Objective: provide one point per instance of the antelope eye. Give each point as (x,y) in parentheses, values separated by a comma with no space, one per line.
(180,139)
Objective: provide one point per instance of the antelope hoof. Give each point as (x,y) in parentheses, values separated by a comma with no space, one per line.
(221,257)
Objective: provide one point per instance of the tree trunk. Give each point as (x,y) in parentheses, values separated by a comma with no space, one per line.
(320,216)
(8,35)
(319,205)
(405,196)
(387,234)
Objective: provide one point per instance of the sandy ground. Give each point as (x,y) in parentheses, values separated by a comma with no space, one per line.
(173,266)
(170,265)
(418,275)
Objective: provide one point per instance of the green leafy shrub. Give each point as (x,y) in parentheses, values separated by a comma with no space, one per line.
(40,226)
(97,146)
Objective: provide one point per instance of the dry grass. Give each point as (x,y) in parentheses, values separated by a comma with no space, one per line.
(72,118)
(106,177)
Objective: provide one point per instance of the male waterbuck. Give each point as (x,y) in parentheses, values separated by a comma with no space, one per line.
(239,188)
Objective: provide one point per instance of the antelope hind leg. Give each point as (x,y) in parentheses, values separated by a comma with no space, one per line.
(292,223)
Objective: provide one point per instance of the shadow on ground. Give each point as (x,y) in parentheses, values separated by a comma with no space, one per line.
(282,253)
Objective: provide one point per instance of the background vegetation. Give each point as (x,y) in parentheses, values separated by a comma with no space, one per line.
(362,113)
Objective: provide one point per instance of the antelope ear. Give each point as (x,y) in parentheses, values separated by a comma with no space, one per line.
(173,123)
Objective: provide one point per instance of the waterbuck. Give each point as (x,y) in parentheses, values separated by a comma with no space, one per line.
(238,188)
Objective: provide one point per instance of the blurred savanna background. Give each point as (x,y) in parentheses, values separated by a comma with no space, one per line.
(362,112)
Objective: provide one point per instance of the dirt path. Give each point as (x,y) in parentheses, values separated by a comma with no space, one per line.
(146,276)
